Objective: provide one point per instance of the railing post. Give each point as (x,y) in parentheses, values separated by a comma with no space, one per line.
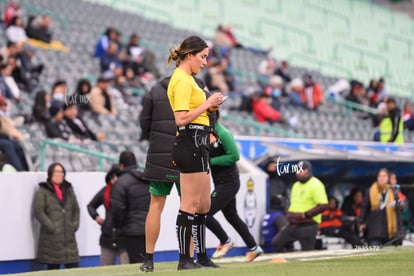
(100,164)
(42,155)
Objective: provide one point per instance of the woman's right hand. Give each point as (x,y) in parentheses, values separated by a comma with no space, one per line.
(99,220)
(215,100)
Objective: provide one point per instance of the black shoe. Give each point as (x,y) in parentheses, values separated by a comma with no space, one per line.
(147,266)
(207,262)
(188,265)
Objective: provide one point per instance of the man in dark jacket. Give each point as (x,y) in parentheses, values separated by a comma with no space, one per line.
(129,206)
(158,126)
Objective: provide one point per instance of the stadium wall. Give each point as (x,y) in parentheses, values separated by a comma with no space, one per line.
(18,236)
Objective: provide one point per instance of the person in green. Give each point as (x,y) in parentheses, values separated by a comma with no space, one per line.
(224,154)
(392,126)
(308,200)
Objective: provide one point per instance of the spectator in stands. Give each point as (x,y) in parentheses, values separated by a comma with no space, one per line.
(18,74)
(10,138)
(12,10)
(14,153)
(111,34)
(283,72)
(5,90)
(111,59)
(123,87)
(273,222)
(40,110)
(129,201)
(59,89)
(392,126)
(39,28)
(101,100)
(352,203)
(135,55)
(332,225)
(408,116)
(381,91)
(372,93)
(16,31)
(7,125)
(56,127)
(5,165)
(308,200)
(77,125)
(112,245)
(312,94)
(267,68)
(225,38)
(378,216)
(276,91)
(295,92)
(57,210)
(11,49)
(218,77)
(264,112)
(82,95)
(30,69)
(357,95)
(9,81)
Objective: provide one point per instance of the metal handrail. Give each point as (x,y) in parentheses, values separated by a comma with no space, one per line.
(257,126)
(99,155)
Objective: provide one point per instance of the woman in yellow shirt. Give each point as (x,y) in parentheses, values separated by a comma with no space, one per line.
(191,146)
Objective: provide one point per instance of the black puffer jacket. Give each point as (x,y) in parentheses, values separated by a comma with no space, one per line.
(158,126)
(59,222)
(109,236)
(129,202)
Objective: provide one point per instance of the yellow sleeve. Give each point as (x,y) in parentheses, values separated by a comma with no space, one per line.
(182,95)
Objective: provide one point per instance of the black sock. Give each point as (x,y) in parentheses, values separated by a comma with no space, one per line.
(149,256)
(199,235)
(183,228)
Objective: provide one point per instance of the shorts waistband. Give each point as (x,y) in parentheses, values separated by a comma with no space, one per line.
(194,126)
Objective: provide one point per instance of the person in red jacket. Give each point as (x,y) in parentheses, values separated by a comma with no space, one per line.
(264,112)
(331,224)
(312,94)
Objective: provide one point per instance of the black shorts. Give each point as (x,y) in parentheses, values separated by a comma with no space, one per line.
(190,151)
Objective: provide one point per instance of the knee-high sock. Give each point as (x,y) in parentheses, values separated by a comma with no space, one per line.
(199,234)
(183,228)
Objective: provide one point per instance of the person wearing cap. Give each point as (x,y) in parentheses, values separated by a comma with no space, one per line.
(392,126)
(76,124)
(112,245)
(308,200)
(56,127)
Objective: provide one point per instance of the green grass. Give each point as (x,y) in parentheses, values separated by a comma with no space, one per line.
(388,261)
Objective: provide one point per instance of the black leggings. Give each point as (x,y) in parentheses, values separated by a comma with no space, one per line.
(224,198)
(135,247)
